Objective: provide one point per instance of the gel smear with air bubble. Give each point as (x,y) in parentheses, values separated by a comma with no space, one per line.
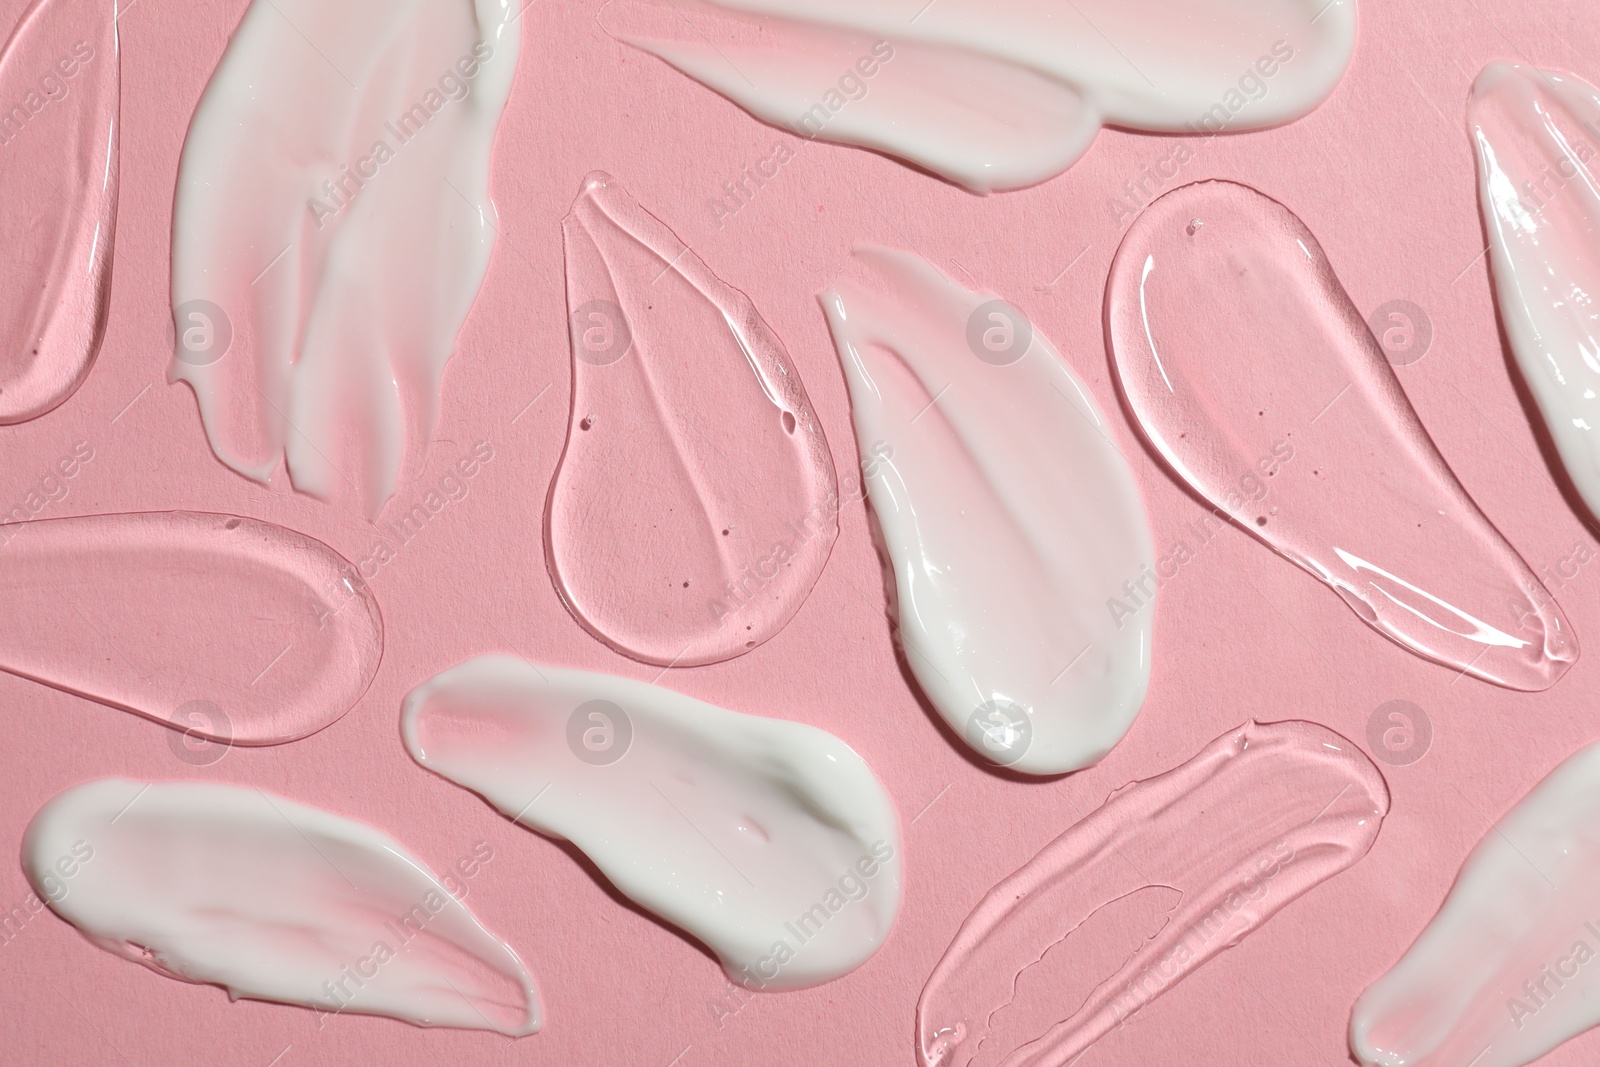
(1252,374)
(696,500)
(771,842)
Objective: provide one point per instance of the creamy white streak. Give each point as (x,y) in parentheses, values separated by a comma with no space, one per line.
(1001,94)
(1510,967)
(1537,134)
(331,231)
(272,900)
(1010,519)
(770,841)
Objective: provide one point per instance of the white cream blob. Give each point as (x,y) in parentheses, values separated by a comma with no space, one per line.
(331,230)
(1023,581)
(769,841)
(1510,967)
(272,900)
(1000,94)
(1537,134)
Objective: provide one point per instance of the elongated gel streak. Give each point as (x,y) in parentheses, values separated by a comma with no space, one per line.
(1507,970)
(1000,94)
(1537,135)
(1255,820)
(60,104)
(230,629)
(769,841)
(331,230)
(271,900)
(1011,523)
(1253,376)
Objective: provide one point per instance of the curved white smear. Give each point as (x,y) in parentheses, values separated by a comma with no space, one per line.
(332,228)
(1537,135)
(272,900)
(60,104)
(770,841)
(1001,94)
(1510,967)
(1012,522)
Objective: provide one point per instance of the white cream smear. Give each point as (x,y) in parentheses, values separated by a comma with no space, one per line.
(1537,135)
(1010,519)
(272,900)
(1000,94)
(331,230)
(769,841)
(1508,968)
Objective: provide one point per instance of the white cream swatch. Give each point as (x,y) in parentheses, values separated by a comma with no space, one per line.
(331,230)
(769,841)
(1537,135)
(1000,94)
(272,900)
(1510,967)
(1013,524)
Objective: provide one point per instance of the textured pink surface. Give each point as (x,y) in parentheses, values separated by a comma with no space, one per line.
(1383,175)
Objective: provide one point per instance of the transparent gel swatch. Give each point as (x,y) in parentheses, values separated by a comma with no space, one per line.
(1200,856)
(60,99)
(696,500)
(1537,134)
(228,628)
(1253,375)
(1000,94)
(271,900)
(771,842)
(1510,967)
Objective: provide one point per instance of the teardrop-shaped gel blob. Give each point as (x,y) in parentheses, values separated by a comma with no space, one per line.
(271,900)
(1253,375)
(1508,968)
(331,230)
(1537,134)
(696,502)
(228,628)
(60,98)
(1259,817)
(1011,521)
(1000,94)
(769,841)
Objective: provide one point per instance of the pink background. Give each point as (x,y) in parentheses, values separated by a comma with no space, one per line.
(1383,174)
